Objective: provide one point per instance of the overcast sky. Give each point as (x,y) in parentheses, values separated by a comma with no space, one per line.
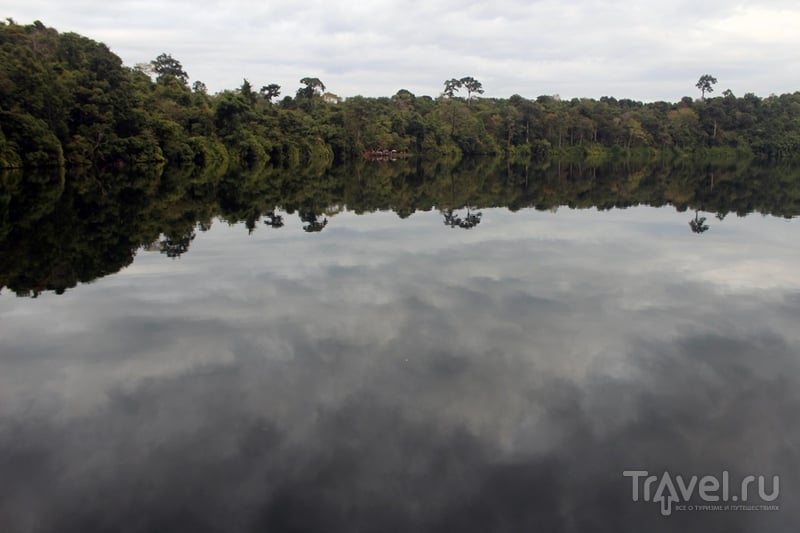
(399,375)
(574,48)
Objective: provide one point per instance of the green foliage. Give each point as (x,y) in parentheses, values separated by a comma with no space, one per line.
(167,67)
(30,140)
(65,99)
(472,86)
(273,90)
(313,87)
(706,84)
(596,155)
(451,87)
(9,155)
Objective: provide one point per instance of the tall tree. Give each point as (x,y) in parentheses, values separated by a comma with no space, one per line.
(247,91)
(705,84)
(313,86)
(166,65)
(273,90)
(451,87)
(471,85)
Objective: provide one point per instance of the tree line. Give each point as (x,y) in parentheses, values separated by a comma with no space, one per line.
(68,100)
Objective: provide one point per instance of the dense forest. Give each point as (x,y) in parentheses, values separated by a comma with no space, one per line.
(68,100)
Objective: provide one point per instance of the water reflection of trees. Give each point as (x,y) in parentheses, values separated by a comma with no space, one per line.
(58,229)
(311,221)
(454,220)
(176,246)
(273,220)
(698,223)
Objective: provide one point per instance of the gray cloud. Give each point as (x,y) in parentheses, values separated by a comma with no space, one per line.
(497,379)
(580,48)
(348,434)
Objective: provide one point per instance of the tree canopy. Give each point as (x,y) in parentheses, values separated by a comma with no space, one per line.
(165,65)
(313,87)
(65,99)
(472,86)
(706,85)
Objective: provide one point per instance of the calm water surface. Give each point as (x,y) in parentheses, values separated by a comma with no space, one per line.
(391,374)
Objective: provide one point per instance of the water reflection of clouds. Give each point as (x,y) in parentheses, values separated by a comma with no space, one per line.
(498,379)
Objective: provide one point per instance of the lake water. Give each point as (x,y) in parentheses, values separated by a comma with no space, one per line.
(458,369)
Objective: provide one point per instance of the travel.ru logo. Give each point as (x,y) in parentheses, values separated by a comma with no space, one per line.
(717,493)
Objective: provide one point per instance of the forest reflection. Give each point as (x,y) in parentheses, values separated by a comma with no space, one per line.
(65,227)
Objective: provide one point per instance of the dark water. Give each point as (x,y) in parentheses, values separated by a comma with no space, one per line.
(384,374)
